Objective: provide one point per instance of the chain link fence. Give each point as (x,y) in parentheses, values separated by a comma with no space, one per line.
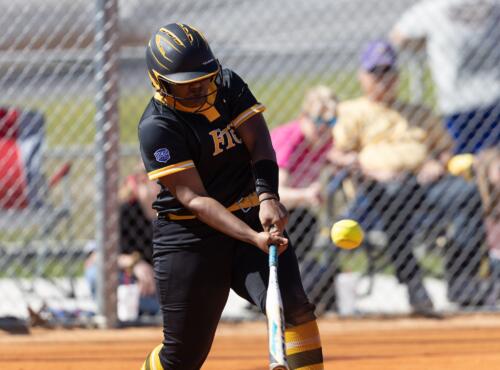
(74,85)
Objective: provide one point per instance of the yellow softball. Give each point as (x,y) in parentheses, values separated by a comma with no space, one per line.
(347,234)
(461,165)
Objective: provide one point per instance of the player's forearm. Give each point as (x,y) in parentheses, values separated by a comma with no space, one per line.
(263,150)
(211,212)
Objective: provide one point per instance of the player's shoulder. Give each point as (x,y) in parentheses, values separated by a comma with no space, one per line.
(157,117)
(229,75)
(231,80)
(159,123)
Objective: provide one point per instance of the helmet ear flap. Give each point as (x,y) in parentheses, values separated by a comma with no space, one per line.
(164,86)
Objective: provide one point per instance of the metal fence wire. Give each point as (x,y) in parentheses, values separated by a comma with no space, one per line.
(74,85)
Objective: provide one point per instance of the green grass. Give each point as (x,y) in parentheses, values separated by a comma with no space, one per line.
(71,122)
(35,268)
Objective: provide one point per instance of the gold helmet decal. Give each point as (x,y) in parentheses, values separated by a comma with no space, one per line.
(174,37)
(187,32)
(199,33)
(162,52)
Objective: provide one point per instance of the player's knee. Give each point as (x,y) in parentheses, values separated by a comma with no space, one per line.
(295,316)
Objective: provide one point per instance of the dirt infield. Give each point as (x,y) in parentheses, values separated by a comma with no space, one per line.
(460,343)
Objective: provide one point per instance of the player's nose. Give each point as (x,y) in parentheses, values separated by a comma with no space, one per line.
(195,87)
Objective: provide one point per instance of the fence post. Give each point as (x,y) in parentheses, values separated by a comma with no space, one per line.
(107,156)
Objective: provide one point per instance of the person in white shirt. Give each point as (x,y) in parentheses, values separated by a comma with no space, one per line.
(461,39)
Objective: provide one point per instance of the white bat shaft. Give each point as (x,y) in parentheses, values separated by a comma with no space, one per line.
(275,321)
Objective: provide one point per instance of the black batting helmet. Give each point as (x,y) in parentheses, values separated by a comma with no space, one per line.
(179,54)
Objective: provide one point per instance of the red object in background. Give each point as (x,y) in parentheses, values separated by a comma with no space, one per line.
(9,123)
(13,182)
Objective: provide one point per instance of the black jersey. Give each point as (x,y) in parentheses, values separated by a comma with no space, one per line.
(173,140)
(136,231)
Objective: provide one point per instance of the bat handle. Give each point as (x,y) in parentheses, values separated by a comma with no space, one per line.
(273,250)
(273,255)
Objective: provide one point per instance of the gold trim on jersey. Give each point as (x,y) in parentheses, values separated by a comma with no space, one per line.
(244,204)
(245,115)
(168,170)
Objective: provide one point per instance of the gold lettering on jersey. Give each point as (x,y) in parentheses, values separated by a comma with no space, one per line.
(218,139)
(224,139)
(233,137)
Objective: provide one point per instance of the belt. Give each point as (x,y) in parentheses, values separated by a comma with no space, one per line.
(244,204)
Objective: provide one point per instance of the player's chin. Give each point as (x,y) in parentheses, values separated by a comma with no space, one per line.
(195,102)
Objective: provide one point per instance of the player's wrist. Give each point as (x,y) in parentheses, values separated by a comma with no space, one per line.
(256,239)
(266,173)
(268,196)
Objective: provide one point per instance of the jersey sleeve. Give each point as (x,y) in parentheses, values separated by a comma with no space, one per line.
(242,102)
(164,148)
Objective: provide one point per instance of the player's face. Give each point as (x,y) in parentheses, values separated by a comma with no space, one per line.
(192,94)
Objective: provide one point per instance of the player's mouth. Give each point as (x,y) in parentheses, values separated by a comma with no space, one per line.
(194,100)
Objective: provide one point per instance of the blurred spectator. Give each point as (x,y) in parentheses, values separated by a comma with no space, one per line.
(302,149)
(403,185)
(488,178)
(135,260)
(462,38)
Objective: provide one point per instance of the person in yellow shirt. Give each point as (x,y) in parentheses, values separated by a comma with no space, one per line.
(400,151)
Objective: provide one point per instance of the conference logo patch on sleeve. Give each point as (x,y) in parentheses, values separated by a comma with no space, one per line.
(162,155)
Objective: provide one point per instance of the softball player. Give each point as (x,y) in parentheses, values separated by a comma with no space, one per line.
(204,139)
